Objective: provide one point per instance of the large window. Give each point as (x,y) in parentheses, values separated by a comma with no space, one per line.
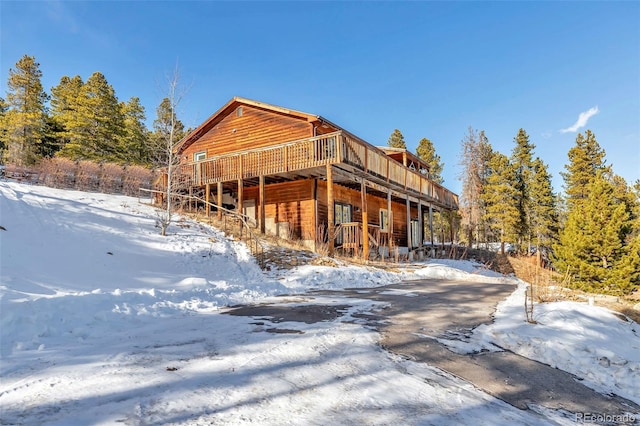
(199,156)
(342,215)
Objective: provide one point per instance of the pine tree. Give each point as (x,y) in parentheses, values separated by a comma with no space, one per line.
(522,160)
(134,144)
(543,211)
(427,153)
(24,122)
(500,195)
(593,247)
(396,140)
(65,110)
(586,158)
(98,123)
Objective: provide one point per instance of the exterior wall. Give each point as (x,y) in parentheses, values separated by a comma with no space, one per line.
(255,128)
(374,205)
(289,203)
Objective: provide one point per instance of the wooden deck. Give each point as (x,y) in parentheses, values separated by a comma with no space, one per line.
(336,148)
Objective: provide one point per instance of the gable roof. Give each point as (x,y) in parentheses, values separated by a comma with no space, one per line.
(235,102)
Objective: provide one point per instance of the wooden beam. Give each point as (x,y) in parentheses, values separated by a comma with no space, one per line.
(240,202)
(207,193)
(390,224)
(262,200)
(330,209)
(365,224)
(408,224)
(431,223)
(219,194)
(315,215)
(451,224)
(420,225)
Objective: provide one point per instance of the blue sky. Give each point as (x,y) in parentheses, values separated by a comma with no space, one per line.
(430,69)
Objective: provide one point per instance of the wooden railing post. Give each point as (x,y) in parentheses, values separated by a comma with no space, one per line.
(331,211)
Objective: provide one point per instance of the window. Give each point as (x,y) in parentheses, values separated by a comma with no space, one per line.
(384,220)
(239,112)
(415,233)
(199,156)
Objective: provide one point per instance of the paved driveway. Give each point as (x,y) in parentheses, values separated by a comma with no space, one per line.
(440,308)
(417,311)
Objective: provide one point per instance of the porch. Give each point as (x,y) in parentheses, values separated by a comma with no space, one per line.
(337,160)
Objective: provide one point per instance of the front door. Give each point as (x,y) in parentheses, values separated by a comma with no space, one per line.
(342,215)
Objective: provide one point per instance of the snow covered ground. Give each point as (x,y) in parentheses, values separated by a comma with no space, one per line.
(103,321)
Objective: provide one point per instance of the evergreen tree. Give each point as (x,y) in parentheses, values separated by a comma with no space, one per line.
(427,153)
(135,139)
(500,196)
(543,211)
(396,140)
(98,125)
(593,247)
(52,140)
(24,122)
(65,110)
(586,158)
(522,160)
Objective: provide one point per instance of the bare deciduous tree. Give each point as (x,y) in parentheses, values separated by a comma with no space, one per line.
(167,139)
(476,152)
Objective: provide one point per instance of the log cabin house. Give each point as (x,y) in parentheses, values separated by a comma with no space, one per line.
(300,176)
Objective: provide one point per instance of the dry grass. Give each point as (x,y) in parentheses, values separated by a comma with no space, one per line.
(550,286)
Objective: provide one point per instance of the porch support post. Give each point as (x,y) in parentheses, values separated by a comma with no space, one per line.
(219,194)
(365,223)
(420,225)
(431,226)
(240,202)
(451,223)
(330,209)
(315,215)
(390,219)
(261,201)
(408,223)
(207,194)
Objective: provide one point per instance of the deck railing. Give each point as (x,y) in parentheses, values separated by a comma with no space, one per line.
(332,148)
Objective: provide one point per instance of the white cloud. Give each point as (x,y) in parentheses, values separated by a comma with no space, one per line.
(582,120)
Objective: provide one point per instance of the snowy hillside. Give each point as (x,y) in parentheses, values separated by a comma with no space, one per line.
(103,321)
